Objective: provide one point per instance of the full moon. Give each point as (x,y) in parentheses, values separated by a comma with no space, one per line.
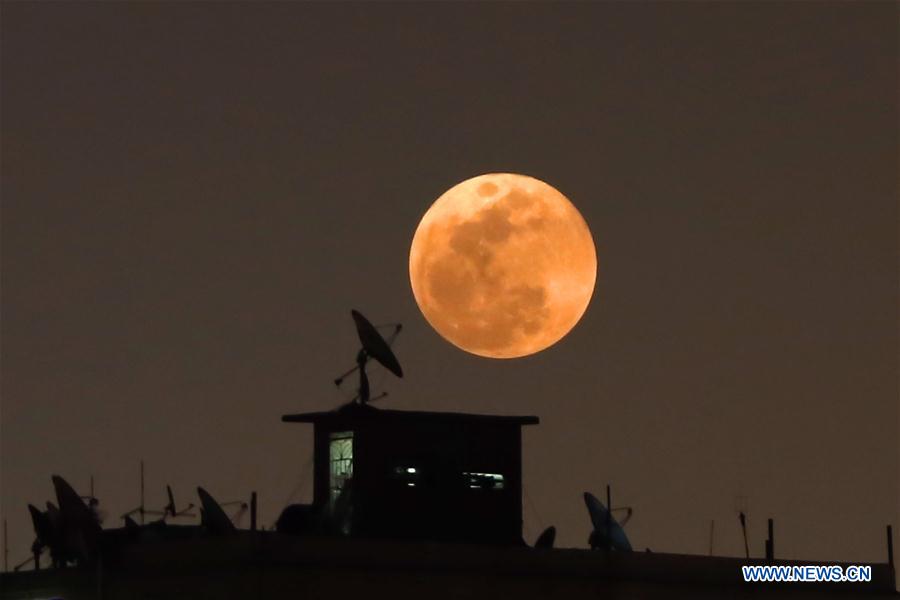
(502,265)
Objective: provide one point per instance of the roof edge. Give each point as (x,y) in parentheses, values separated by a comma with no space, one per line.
(367,413)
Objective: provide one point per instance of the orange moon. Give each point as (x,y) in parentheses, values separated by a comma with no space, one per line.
(502,265)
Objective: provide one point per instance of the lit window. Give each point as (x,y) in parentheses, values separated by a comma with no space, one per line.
(340,452)
(483,481)
(407,475)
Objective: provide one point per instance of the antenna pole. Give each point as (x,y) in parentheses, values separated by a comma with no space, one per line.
(770,543)
(712,533)
(142,491)
(608,518)
(253,511)
(890,541)
(361,360)
(743,519)
(6,548)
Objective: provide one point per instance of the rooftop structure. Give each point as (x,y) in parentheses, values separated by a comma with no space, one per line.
(418,475)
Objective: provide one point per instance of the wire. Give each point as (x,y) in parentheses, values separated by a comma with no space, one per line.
(530,503)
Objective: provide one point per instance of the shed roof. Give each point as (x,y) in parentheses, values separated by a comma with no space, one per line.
(358,413)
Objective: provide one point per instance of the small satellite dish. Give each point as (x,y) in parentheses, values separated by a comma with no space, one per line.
(546,539)
(607,533)
(373,346)
(171,510)
(41,523)
(43,532)
(214,518)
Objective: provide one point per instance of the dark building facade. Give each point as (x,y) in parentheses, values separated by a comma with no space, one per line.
(418,475)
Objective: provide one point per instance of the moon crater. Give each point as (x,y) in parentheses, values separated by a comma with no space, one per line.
(502,265)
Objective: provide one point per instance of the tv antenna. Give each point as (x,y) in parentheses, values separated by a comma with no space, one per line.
(374,345)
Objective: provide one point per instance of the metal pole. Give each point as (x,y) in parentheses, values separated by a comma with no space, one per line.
(253,511)
(712,532)
(743,519)
(142,491)
(770,544)
(5,548)
(890,541)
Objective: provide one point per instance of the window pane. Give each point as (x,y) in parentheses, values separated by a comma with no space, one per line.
(483,481)
(341,458)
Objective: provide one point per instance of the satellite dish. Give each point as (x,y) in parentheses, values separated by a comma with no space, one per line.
(171,510)
(170,507)
(43,534)
(78,523)
(53,514)
(41,523)
(373,346)
(546,539)
(76,515)
(214,518)
(607,533)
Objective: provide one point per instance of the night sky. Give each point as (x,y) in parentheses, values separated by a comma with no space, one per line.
(195,195)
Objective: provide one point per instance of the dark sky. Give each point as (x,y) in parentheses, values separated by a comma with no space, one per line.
(196,194)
